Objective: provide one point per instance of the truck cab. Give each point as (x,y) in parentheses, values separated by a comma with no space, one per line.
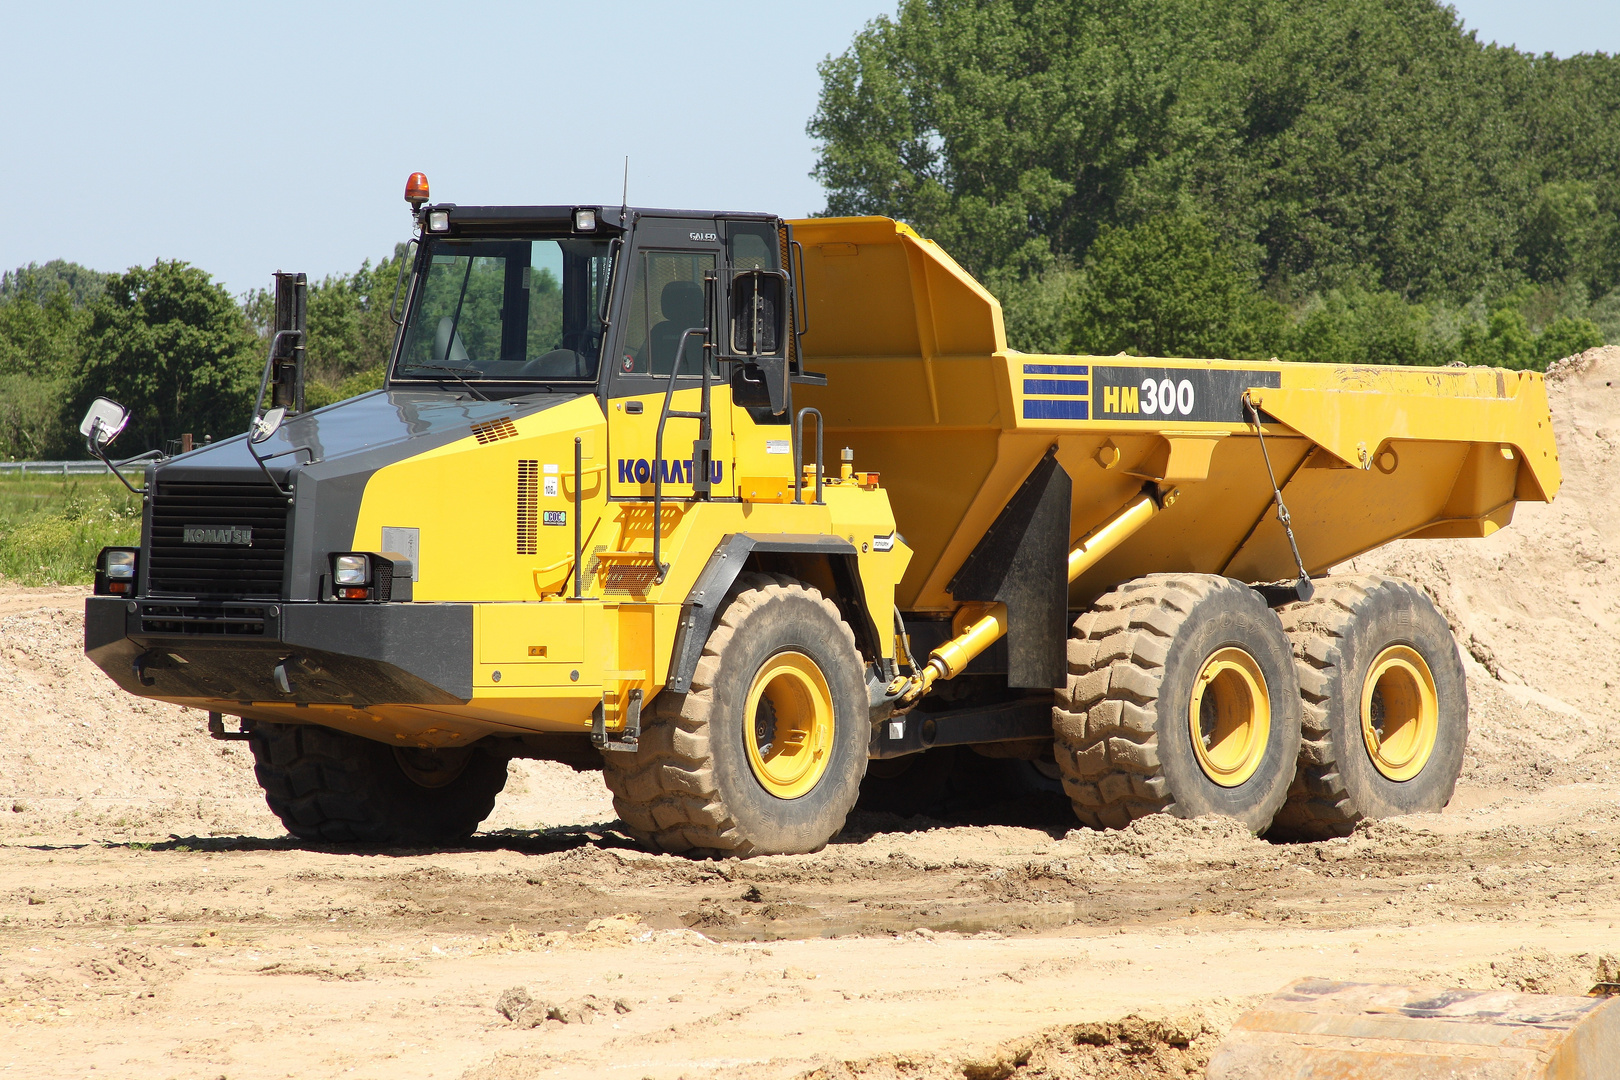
(584,441)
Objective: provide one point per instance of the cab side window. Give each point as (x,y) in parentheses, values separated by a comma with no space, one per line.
(666,300)
(751,245)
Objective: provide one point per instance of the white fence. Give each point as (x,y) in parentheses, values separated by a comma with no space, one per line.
(52,468)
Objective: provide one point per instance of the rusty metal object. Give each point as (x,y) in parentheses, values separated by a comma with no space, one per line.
(1325,1030)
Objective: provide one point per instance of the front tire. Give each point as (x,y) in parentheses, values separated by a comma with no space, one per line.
(1385,704)
(765,755)
(331,786)
(1181,699)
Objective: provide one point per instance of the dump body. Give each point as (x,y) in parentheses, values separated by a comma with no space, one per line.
(921,384)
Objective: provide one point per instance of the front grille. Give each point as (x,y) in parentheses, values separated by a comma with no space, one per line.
(233,621)
(213,511)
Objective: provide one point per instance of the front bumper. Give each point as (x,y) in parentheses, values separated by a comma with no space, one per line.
(230,651)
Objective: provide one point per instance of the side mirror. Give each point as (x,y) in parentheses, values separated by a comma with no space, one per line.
(267,425)
(758,335)
(104,421)
(758,313)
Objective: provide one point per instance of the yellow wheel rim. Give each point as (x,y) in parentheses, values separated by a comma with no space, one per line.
(1229,717)
(789,725)
(1400,713)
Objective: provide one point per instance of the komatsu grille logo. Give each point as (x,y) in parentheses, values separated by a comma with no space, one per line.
(640,471)
(218,535)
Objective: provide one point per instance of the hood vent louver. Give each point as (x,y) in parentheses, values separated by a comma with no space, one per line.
(528,507)
(488,431)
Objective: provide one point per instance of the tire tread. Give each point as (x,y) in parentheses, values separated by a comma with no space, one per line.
(666,793)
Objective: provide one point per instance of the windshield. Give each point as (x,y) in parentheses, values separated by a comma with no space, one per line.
(507,309)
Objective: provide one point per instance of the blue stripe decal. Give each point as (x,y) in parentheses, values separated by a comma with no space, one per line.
(1057,369)
(1037,409)
(1077,388)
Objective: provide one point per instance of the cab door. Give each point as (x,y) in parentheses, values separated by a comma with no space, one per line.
(671,263)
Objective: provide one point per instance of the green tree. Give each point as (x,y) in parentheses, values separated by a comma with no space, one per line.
(1329,135)
(173,347)
(1356,325)
(1367,163)
(1562,238)
(42,325)
(39,283)
(1164,288)
(1564,337)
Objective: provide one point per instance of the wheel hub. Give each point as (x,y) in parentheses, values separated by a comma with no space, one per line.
(765,727)
(1400,713)
(789,725)
(1229,717)
(433,768)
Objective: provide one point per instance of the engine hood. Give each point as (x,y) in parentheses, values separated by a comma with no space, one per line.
(326,457)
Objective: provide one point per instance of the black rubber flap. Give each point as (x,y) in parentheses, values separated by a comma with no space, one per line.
(1023,562)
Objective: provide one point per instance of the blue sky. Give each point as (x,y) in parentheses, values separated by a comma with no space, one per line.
(250,138)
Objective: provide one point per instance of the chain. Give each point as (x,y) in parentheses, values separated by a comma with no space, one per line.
(1303,586)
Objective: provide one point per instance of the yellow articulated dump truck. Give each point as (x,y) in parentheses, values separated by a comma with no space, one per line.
(733,507)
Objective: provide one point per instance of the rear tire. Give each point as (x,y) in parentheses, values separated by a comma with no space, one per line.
(327,785)
(1181,699)
(765,755)
(1376,643)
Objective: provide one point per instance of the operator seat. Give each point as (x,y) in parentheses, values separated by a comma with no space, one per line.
(681,303)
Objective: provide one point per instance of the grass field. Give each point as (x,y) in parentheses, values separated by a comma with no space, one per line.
(52,527)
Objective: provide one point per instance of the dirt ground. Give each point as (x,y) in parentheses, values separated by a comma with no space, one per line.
(155,920)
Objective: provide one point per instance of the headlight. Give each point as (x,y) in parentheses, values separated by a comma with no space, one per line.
(116,571)
(351,570)
(375,577)
(584,220)
(438,221)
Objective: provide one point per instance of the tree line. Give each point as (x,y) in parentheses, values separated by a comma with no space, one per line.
(1342,181)
(173,345)
(1347,181)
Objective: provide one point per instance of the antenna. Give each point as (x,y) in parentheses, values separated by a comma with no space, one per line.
(624,205)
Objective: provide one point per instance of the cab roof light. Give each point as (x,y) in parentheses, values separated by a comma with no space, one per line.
(416,190)
(438,221)
(585,220)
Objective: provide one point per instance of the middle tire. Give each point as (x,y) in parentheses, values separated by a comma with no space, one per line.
(1182,698)
(765,755)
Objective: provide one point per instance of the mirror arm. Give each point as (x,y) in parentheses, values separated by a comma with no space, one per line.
(96,451)
(258,405)
(283,453)
(285,493)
